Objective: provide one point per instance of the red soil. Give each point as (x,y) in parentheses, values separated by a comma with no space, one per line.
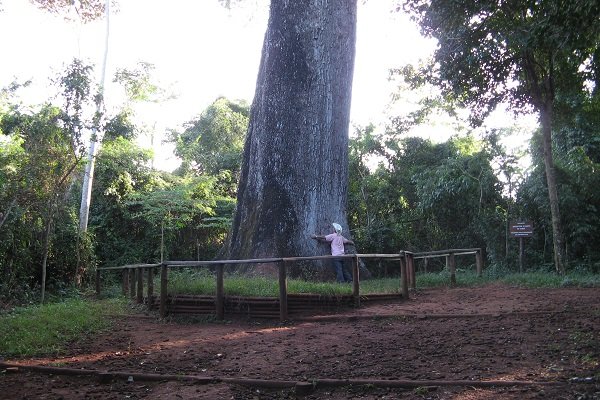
(495,333)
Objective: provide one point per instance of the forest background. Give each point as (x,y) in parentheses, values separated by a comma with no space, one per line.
(407,191)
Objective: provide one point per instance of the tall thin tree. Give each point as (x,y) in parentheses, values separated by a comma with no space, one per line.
(88,177)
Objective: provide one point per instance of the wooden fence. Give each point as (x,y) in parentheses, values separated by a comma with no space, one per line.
(133,275)
(450,256)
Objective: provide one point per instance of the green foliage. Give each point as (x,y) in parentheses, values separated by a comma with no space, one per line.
(425,196)
(213,143)
(138,82)
(486,45)
(38,159)
(48,329)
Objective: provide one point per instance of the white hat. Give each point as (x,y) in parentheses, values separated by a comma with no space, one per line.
(337,227)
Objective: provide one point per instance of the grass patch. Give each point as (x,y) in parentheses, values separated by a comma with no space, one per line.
(203,282)
(48,329)
(551,280)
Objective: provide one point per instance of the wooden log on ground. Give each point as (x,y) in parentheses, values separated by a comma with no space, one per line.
(106,376)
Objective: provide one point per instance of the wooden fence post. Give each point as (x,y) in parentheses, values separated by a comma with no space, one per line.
(451,265)
(140,285)
(97,282)
(163,291)
(479,262)
(425,264)
(125,281)
(410,266)
(150,290)
(131,282)
(220,295)
(283,303)
(356,281)
(403,277)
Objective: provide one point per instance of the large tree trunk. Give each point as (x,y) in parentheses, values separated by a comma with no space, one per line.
(295,169)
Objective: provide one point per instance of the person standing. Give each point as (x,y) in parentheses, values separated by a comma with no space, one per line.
(337,249)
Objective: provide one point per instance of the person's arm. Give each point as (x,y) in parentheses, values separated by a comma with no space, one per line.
(318,237)
(347,241)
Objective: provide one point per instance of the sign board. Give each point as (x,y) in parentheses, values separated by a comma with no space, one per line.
(521,229)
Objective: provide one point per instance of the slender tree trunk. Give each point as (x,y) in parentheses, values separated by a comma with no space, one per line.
(295,170)
(46,248)
(88,176)
(542,92)
(557,237)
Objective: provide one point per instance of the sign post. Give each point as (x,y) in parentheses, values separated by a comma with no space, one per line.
(521,230)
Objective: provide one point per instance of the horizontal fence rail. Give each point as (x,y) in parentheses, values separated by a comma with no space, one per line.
(133,275)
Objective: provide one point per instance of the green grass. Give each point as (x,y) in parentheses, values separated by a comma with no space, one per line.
(202,282)
(48,329)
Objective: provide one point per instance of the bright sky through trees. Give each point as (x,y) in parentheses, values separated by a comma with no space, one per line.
(200,51)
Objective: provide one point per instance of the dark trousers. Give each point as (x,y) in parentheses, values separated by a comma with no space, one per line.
(341,273)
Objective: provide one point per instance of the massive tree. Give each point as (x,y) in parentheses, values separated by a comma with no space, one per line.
(522,52)
(295,168)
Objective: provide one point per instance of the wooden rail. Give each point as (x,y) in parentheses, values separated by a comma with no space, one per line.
(133,275)
(450,256)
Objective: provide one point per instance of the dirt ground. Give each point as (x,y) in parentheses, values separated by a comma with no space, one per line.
(546,340)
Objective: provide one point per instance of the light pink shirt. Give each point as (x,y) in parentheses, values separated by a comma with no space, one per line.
(337,243)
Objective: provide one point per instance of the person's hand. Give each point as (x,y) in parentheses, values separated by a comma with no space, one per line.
(313,236)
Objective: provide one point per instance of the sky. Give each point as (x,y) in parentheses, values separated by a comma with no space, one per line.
(200,51)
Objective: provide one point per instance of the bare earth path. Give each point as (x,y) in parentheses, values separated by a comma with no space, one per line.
(476,334)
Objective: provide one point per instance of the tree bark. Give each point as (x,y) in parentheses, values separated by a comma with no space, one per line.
(295,170)
(542,94)
(88,176)
(557,237)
